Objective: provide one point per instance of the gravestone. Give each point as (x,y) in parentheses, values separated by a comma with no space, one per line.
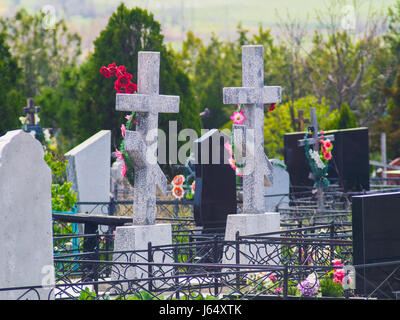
(26,237)
(349,165)
(88,169)
(215,195)
(248,139)
(141,145)
(376,238)
(277,195)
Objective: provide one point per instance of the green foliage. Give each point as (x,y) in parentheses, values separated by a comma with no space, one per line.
(11,101)
(330,288)
(86,294)
(129,31)
(40,52)
(63,198)
(345,119)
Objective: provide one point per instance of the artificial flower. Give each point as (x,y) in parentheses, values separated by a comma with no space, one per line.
(131,88)
(228,147)
(123,81)
(238,117)
(124,169)
(112,68)
(327,156)
(178,192)
(272,107)
(119,155)
(178,180)
(123,130)
(193,186)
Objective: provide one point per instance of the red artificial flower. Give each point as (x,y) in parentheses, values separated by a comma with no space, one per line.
(123,81)
(118,87)
(112,68)
(105,72)
(178,192)
(131,88)
(121,70)
(178,180)
(327,156)
(272,107)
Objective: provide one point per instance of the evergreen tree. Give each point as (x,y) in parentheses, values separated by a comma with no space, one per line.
(11,101)
(129,31)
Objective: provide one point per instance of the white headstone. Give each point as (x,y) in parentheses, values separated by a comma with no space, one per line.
(26,237)
(88,169)
(277,195)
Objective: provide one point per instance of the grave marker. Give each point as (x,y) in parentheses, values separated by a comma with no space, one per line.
(215,195)
(300,120)
(141,145)
(253,95)
(376,239)
(26,230)
(249,137)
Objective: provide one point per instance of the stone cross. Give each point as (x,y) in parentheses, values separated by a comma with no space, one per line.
(300,120)
(30,110)
(253,95)
(141,145)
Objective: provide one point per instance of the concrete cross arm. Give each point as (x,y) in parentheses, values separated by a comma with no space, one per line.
(147,103)
(313,140)
(137,150)
(247,95)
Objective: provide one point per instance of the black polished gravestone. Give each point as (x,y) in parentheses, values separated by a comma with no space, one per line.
(349,165)
(215,194)
(376,239)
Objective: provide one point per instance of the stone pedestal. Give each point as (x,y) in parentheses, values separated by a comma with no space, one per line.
(249,224)
(136,238)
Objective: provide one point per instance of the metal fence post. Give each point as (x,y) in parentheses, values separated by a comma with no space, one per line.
(150,267)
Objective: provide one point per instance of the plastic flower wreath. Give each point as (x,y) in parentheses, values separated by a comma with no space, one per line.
(318,160)
(123,84)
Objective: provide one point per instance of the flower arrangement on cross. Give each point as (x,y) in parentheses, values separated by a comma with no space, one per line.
(318,159)
(123,84)
(239,118)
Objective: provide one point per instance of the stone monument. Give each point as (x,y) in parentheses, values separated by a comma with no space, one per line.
(141,145)
(26,236)
(250,137)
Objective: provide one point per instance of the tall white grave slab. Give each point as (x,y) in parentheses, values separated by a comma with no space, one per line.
(141,145)
(250,137)
(88,169)
(26,236)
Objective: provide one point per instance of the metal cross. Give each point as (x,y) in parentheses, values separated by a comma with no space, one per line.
(253,95)
(141,145)
(30,110)
(315,140)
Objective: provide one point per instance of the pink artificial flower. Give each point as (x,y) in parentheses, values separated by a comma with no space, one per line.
(228,147)
(119,155)
(327,156)
(337,262)
(327,144)
(123,130)
(232,163)
(238,117)
(272,277)
(128,117)
(124,169)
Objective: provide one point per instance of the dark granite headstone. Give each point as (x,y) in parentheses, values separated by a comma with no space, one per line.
(215,194)
(349,165)
(376,239)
